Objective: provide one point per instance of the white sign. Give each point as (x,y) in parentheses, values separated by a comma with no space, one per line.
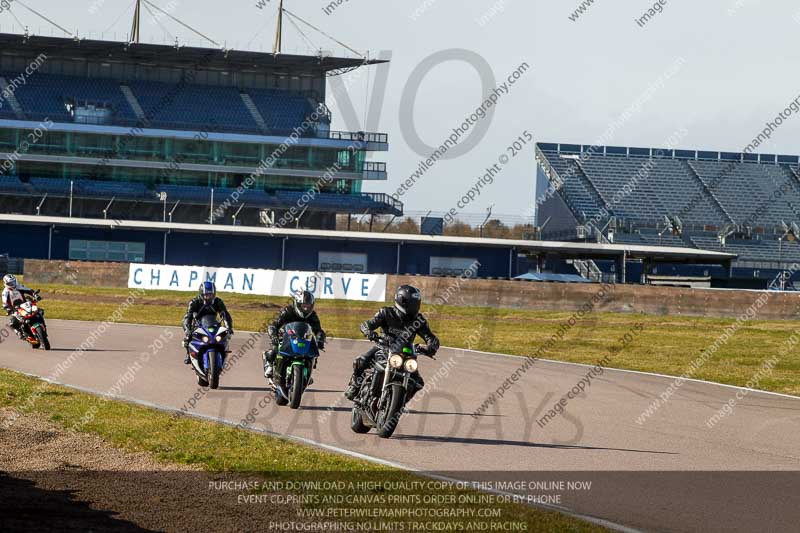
(324,285)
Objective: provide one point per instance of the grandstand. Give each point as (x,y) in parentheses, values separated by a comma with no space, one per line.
(741,203)
(141,132)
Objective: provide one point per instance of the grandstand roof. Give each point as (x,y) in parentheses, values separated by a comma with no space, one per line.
(171,56)
(555,248)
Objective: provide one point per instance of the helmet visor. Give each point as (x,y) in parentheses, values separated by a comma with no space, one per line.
(411,307)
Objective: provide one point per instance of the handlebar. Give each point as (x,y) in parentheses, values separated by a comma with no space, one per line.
(384,341)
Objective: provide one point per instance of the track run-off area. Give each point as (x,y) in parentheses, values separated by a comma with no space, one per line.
(669,471)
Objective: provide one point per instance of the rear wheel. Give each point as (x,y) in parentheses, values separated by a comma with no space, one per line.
(390,416)
(297,385)
(357,421)
(212,372)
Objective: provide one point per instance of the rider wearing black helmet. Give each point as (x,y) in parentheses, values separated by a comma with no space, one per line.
(204,304)
(400,324)
(300,309)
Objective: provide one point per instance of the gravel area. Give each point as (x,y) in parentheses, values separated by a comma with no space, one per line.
(53,479)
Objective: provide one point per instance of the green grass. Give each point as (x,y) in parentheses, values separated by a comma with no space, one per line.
(217,447)
(666,345)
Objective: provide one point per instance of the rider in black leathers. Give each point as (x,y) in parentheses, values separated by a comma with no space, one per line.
(400,324)
(204,304)
(300,309)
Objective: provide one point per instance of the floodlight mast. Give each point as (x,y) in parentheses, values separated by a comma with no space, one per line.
(137,20)
(278,45)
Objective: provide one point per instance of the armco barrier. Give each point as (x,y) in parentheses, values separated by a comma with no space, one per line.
(537,296)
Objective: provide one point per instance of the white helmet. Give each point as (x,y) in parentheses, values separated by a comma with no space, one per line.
(10,281)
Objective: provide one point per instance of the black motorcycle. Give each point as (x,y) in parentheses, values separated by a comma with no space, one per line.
(385,388)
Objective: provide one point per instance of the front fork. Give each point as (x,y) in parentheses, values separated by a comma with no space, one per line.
(386,379)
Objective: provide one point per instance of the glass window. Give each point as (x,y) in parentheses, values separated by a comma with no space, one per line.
(123,252)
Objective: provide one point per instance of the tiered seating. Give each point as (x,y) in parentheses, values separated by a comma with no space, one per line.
(674,185)
(113,189)
(667,239)
(746,189)
(579,195)
(651,239)
(96,189)
(12,185)
(660,187)
(59,186)
(5,110)
(167,106)
(46,95)
(753,250)
(282,111)
(189,193)
(346,203)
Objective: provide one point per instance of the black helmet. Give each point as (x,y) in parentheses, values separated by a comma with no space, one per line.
(407,300)
(208,291)
(304,303)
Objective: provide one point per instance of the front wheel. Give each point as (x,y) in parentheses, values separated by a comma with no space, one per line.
(389,417)
(212,372)
(41,336)
(297,386)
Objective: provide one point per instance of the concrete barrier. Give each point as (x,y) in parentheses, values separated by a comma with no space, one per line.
(566,297)
(645,299)
(91,273)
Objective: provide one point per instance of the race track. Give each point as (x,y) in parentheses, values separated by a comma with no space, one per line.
(670,473)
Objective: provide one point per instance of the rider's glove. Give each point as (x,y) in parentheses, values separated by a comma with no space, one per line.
(372,336)
(423,350)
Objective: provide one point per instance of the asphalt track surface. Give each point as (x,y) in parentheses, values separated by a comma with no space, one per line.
(671,473)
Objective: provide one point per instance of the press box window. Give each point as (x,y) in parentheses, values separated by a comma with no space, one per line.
(122,252)
(342,262)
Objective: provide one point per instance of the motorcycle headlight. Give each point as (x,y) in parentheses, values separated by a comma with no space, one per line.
(204,338)
(396,361)
(219,338)
(411,365)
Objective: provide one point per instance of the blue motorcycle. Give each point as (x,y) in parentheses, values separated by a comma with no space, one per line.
(207,350)
(300,351)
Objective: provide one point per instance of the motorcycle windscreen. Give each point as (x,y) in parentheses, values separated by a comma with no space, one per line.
(298,339)
(210,323)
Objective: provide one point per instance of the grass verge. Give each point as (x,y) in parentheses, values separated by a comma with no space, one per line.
(665,345)
(220,448)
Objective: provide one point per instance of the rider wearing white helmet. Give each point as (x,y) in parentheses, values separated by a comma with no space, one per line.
(14,294)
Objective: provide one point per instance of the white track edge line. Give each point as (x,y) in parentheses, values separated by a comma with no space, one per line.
(329,447)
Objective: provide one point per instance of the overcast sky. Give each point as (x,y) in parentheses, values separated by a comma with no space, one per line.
(731,65)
